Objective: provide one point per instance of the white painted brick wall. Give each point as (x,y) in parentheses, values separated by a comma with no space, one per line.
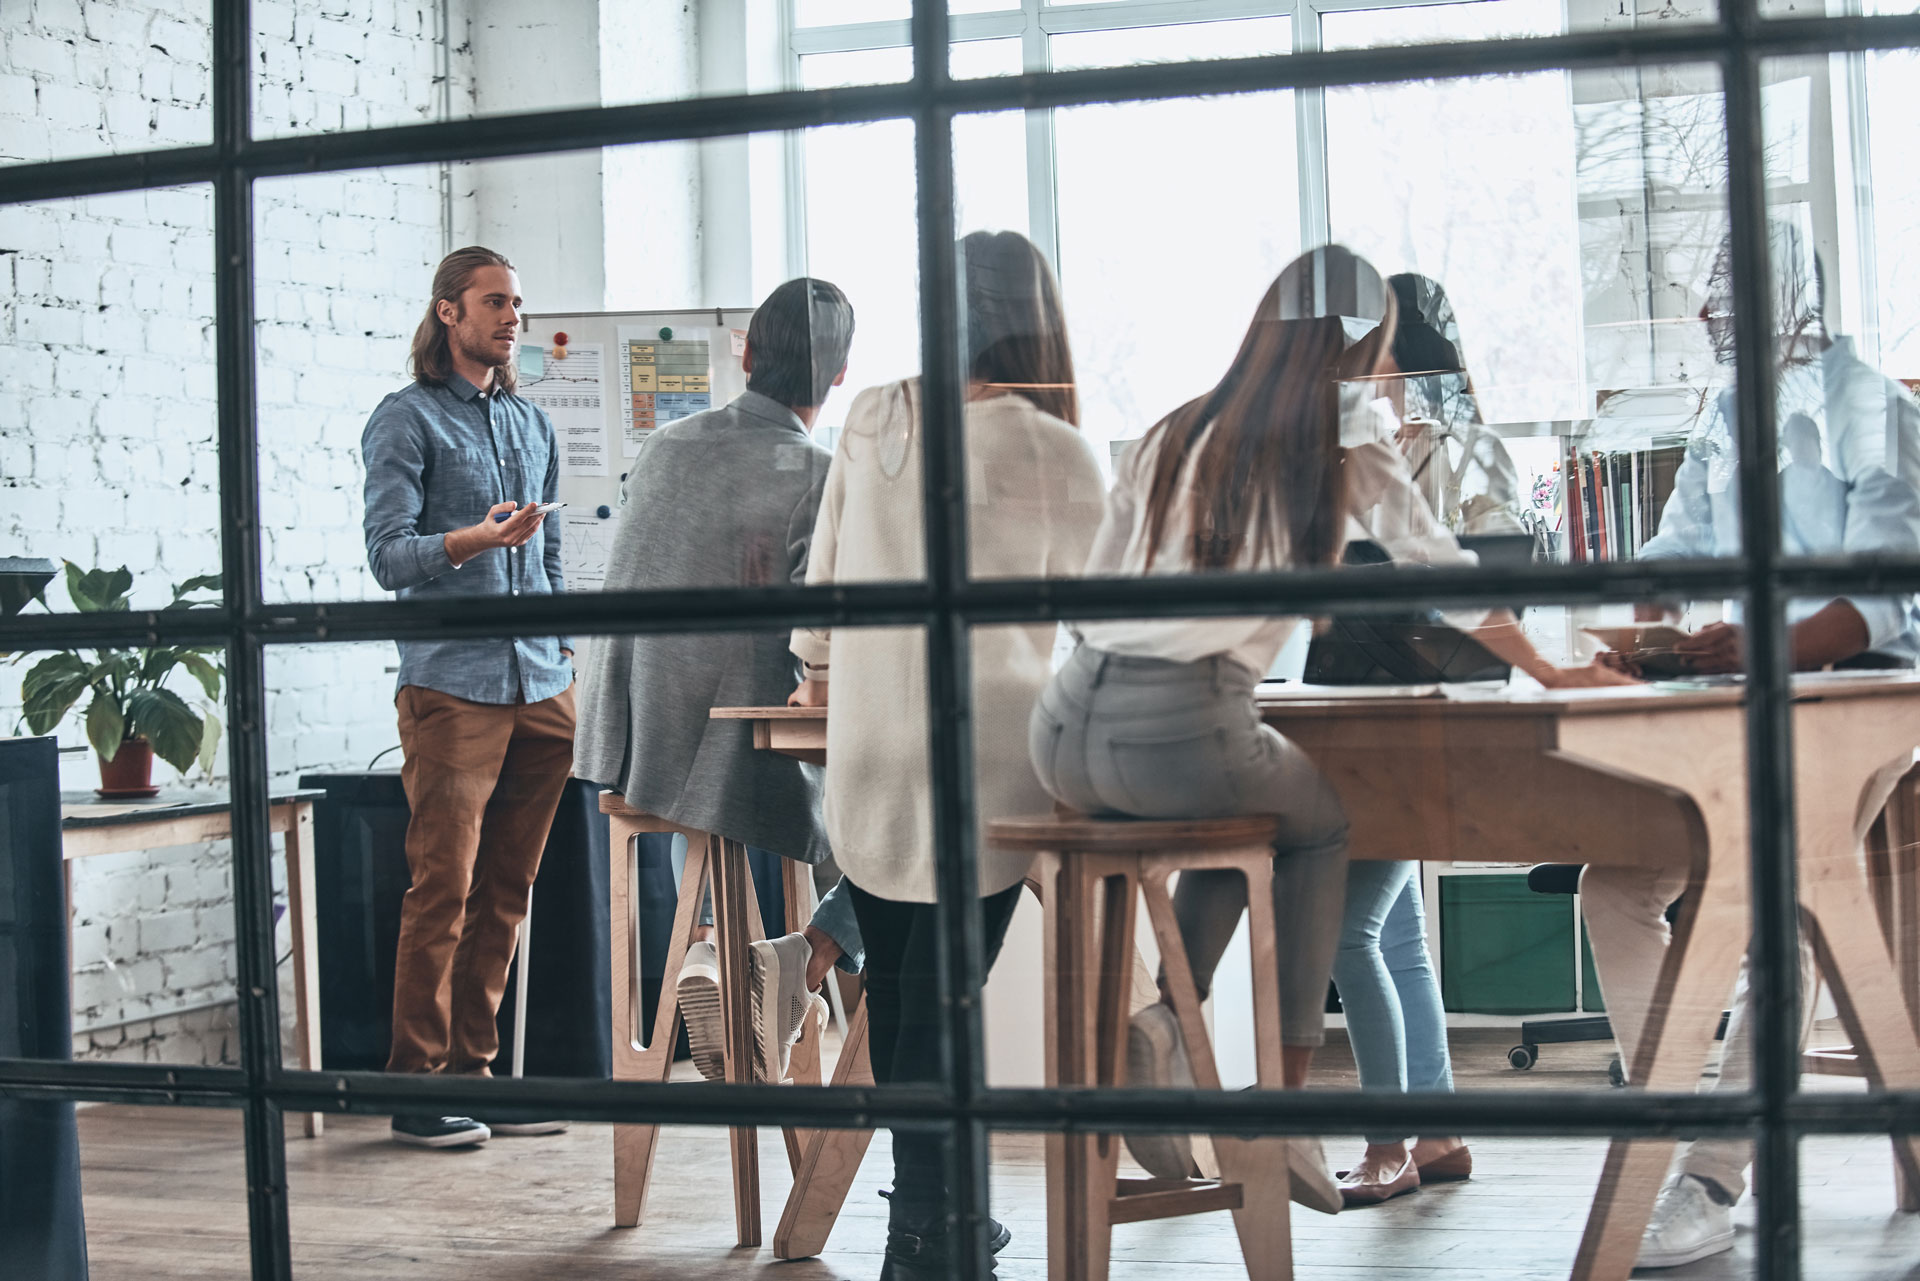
(107,412)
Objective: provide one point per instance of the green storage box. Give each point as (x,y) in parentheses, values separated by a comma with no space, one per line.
(1504,949)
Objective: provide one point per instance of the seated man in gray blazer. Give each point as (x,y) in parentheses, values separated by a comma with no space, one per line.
(728,498)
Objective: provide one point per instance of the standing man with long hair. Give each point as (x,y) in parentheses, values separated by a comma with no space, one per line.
(457,465)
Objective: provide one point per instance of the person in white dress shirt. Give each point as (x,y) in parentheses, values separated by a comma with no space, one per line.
(1849,483)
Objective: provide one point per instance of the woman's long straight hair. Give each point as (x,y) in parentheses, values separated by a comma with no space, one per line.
(1016,332)
(1258,458)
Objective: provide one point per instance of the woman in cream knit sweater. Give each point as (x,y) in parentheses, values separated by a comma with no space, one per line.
(1034,499)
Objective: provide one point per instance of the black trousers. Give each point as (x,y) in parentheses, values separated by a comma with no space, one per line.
(903,1028)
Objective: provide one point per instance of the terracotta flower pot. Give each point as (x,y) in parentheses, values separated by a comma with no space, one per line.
(130,772)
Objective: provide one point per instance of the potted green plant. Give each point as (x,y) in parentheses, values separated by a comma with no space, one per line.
(132,716)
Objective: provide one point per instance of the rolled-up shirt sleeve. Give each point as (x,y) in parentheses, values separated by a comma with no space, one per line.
(394,449)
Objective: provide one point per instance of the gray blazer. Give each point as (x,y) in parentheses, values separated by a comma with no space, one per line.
(722,499)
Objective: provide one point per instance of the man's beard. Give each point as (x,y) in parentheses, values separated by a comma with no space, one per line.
(481,355)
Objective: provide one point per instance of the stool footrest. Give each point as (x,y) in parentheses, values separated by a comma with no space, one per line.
(1139,1200)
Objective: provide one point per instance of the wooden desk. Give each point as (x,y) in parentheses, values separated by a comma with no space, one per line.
(1635,776)
(89,825)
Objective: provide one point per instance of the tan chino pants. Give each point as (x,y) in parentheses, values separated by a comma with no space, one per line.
(483,781)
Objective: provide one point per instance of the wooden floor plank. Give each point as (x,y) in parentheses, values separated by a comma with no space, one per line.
(166,1202)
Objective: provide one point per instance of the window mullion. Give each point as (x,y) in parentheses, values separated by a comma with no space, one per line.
(1310,134)
(1043,214)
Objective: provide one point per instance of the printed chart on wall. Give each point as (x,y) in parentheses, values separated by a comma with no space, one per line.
(571,388)
(665,375)
(586,544)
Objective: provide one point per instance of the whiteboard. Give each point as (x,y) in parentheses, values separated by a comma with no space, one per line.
(598,366)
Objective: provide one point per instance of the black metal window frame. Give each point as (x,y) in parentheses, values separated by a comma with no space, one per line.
(947,604)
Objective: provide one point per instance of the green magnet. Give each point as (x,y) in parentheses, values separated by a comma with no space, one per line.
(666,335)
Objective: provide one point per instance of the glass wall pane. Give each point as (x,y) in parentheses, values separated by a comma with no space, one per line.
(165,1193)
(107,413)
(1521,1214)
(117,921)
(1472,183)
(103,79)
(1146,338)
(1849,431)
(1128,46)
(370,66)
(1848,1222)
(622,325)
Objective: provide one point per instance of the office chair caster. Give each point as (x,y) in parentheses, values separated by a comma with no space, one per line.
(1522,1057)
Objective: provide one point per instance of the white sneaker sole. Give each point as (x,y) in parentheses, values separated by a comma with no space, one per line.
(699,996)
(769,1059)
(1719,1243)
(464,1139)
(527,1127)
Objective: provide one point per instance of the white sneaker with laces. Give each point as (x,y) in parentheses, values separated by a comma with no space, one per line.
(699,994)
(780,1002)
(1157,1058)
(1687,1225)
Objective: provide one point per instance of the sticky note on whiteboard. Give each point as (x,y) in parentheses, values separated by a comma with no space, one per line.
(533,361)
(739,337)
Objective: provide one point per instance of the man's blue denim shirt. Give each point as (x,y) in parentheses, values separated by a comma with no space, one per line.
(438,455)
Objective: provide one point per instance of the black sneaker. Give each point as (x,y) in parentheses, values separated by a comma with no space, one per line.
(511,1123)
(439,1131)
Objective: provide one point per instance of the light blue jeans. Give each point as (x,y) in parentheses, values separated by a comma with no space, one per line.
(1395,1021)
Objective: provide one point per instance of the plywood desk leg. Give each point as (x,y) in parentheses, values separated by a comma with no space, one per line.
(1701,964)
(829,1160)
(1899,903)
(306,938)
(1866,990)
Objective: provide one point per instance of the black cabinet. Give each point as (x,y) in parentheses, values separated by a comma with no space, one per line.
(360,876)
(43,1232)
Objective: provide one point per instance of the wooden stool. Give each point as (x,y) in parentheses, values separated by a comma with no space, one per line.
(1091,873)
(736,915)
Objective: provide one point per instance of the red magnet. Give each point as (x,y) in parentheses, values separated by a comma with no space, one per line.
(560,339)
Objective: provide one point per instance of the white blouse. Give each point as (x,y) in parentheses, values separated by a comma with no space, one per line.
(1033,504)
(1383,504)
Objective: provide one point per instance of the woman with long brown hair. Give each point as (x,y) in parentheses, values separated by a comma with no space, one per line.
(1033,503)
(1279,466)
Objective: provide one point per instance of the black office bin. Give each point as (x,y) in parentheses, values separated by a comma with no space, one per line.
(360,877)
(43,1231)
